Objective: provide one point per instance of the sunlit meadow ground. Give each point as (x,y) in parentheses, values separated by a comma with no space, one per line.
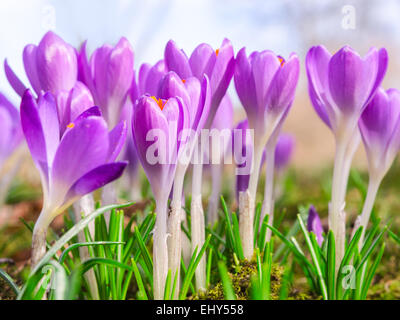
(300,188)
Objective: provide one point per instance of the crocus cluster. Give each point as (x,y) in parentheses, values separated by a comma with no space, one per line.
(81,111)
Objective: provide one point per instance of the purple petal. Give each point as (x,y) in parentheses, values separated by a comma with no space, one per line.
(48,114)
(222,73)
(264,67)
(378,126)
(80,100)
(172,85)
(85,72)
(93,111)
(117,138)
(245,85)
(14,81)
(224,117)
(202,60)
(176,60)
(82,148)
(352,79)
(200,101)
(6,132)
(120,70)
(95,179)
(30,64)
(33,131)
(283,150)
(314,224)
(151,82)
(317,66)
(147,115)
(281,92)
(57,67)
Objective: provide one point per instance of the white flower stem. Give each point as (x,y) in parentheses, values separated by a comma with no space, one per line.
(108,196)
(198,224)
(213,201)
(268,203)
(373,187)
(85,205)
(247,204)
(39,237)
(350,151)
(160,249)
(174,228)
(336,214)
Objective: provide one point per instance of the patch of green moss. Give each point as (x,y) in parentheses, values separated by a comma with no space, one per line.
(241,282)
(389,290)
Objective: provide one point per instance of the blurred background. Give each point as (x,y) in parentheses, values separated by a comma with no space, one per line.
(282,26)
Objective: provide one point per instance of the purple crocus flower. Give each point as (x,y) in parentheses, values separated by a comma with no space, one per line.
(218,65)
(283,151)
(340,87)
(266,86)
(150,77)
(157,125)
(380,130)
(10,129)
(72,164)
(314,224)
(50,66)
(109,75)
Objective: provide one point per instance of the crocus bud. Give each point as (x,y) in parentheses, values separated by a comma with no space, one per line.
(51,66)
(156,126)
(380,130)
(195,95)
(266,87)
(218,65)
(314,224)
(108,75)
(283,151)
(150,77)
(341,85)
(10,129)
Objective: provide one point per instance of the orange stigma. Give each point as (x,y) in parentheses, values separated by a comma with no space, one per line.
(183,80)
(71,125)
(217,52)
(282,61)
(159,102)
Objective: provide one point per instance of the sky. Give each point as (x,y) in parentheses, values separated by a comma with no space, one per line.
(147,24)
(282,26)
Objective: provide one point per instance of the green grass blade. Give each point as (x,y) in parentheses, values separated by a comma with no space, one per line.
(331,271)
(6,277)
(315,259)
(229,293)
